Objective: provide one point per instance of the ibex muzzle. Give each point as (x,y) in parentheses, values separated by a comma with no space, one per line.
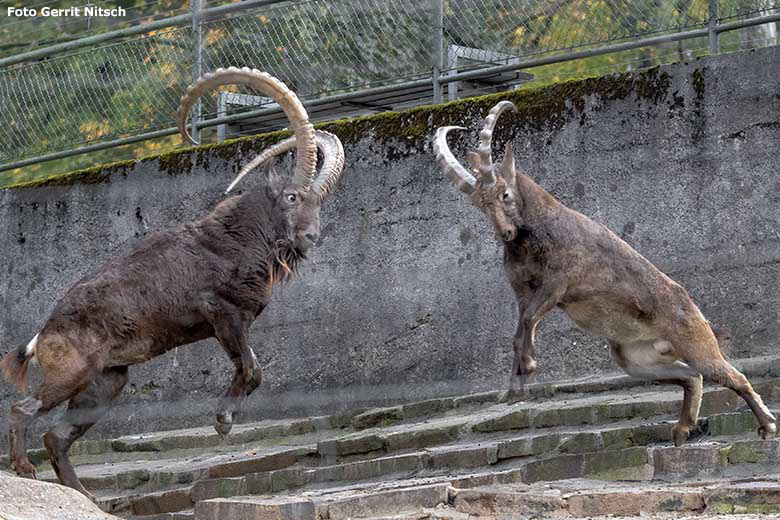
(557,257)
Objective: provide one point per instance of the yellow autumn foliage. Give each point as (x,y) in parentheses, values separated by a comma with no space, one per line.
(95,129)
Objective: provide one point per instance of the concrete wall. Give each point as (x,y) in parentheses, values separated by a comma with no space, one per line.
(406,297)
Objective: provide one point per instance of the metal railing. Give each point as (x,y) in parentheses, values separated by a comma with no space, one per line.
(123,86)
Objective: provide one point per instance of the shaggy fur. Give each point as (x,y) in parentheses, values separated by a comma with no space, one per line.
(208,278)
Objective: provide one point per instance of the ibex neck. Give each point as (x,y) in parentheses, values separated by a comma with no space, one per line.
(536,200)
(244,222)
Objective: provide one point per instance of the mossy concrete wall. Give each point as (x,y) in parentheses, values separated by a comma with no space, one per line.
(406,297)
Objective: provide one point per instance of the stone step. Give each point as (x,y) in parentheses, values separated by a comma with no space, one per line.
(277,470)
(640,463)
(582,498)
(164,472)
(333,506)
(742,457)
(606,408)
(758,367)
(448,513)
(205,437)
(166,504)
(571,434)
(165,468)
(186,468)
(149,445)
(574,412)
(179,515)
(575,498)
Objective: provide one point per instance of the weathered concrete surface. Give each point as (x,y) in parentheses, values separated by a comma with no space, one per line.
(405,298)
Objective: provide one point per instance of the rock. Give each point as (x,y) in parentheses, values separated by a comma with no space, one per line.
(25,499)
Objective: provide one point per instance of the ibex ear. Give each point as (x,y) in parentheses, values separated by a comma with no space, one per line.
(473,158)
(507,166)
(275,183)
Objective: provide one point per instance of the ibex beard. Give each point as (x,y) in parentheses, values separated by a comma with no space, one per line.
(557,257)
(208,278)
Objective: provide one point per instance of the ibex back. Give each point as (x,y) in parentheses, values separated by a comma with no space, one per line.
(208,278)
(555,256)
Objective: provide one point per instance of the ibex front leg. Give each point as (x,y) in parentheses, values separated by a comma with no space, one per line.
(231,334)
(533,307)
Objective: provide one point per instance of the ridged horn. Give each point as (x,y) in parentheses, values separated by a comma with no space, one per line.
(306,160)
(270,152)
(332,161)
(447,162)
(486,140)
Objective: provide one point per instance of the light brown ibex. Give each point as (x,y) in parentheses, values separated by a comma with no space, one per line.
(557,257)
(203,279)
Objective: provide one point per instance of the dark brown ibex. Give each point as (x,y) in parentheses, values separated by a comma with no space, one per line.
(555,256)
(208,278)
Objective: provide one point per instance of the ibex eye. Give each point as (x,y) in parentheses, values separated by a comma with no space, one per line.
(292,197)
(505,195)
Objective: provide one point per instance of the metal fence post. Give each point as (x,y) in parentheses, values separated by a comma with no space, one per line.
(711,25)
(438,44)
(197,62)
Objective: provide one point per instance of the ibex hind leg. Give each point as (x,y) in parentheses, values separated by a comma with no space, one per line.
(23,413)
(689,412)
(675,373)
(718,370)
(84,410)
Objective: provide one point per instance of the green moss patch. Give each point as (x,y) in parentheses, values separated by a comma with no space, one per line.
(547,107)
(96,175)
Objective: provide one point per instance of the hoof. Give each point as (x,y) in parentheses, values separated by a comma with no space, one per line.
(223,428)
(769,429)
(25,470)
(680,435)
(514,395)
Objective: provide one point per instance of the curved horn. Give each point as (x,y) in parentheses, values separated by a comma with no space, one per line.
(486,140)
(447,162)
(272,151)
(332,162)
(306,160)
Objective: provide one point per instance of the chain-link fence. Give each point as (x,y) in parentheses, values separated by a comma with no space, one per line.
(124,86)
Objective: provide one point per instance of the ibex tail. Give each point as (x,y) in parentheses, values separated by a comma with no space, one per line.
(14,364)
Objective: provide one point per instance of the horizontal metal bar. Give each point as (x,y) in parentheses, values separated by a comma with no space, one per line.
(699,33)
(88,148)
(609,49)
(747,22)
(173,21)
(317,102)
(207,123)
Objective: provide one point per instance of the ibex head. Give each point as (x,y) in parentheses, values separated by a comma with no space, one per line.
(297,199)
(492,188)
